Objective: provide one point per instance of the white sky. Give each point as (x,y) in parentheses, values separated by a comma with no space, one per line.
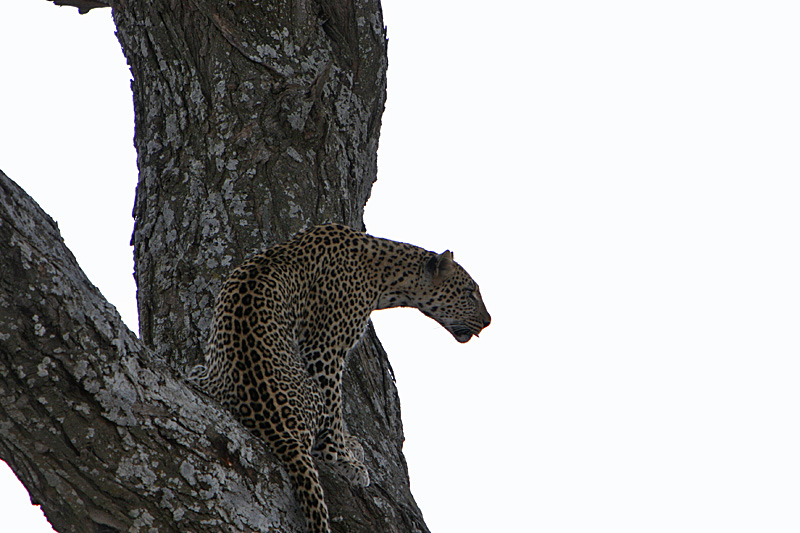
(621,178)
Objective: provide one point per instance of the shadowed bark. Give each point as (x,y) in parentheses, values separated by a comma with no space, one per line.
(253,121)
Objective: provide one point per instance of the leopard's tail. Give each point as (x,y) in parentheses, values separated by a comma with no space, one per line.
(305,480)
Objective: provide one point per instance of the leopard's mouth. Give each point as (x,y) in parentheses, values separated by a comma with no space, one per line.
(461,333)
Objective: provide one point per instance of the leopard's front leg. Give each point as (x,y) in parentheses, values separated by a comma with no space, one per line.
(333,443)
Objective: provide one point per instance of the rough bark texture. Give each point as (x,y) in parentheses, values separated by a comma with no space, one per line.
(253,121)
(98,430)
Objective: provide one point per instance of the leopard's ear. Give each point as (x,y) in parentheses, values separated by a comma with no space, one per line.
(440,267)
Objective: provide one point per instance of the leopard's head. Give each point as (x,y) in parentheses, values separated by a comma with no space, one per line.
(447,294)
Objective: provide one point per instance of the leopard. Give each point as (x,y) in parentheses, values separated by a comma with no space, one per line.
(284,322)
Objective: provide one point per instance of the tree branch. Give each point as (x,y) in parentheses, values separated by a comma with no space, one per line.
(84,6)
(102,434)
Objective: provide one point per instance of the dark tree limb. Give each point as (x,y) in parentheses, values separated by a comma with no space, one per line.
(84,6)
(100,432)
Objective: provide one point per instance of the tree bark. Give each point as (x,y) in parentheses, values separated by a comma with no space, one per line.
(99,431)
(253,121)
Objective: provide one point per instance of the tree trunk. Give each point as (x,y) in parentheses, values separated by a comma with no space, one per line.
(253,121)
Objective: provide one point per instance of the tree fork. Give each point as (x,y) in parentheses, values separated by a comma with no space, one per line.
(252,122)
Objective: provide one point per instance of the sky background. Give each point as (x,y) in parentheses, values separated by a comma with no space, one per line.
(622,178)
